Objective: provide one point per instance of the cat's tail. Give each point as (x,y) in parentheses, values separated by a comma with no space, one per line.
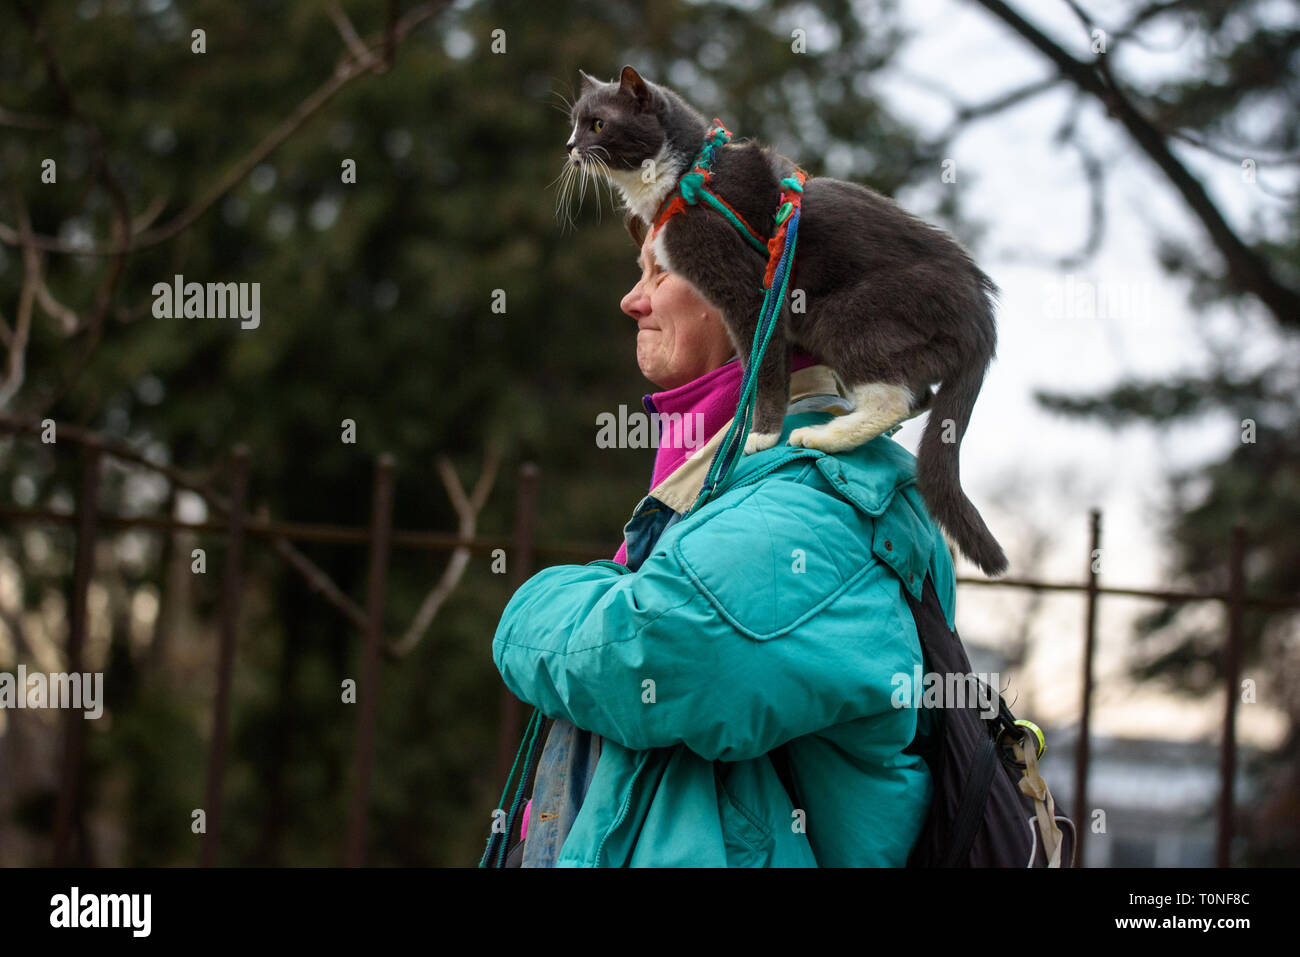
(938,472)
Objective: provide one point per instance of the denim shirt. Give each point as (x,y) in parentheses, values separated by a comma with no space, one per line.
(568,760)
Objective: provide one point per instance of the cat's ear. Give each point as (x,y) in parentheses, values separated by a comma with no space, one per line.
(586,83)
(630,82)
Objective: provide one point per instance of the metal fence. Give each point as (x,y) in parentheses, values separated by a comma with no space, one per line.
(380,538)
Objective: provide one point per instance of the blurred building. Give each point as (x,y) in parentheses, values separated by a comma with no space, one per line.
(1159,797)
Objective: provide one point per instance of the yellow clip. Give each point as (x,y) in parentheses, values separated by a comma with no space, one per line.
(1038,733)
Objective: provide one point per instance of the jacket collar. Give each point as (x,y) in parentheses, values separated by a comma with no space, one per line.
(690,414)
(870,477)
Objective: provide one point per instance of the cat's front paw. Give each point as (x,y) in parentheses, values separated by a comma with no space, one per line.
(821,438)
(758,441)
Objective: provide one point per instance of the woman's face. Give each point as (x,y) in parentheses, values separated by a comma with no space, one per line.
(679,336)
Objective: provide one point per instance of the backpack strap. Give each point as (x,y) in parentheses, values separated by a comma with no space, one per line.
(974,798)
(932,627)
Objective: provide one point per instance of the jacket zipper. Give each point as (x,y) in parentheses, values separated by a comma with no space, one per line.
(623,808)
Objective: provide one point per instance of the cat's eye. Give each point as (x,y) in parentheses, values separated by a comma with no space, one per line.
(597,125)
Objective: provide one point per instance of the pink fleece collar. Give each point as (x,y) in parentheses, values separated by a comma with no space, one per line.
(691,414)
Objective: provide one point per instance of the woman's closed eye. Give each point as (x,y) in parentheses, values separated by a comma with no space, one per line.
(651,274)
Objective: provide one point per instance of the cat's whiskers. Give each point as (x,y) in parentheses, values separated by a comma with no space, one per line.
(566,178)
(602,176)
(570,184)
(574,179)
(568,104)
(594,172)
(603,167)
(585,169)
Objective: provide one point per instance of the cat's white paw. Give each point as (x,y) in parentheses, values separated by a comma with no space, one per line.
(877,408)
(821,438)
(758,441)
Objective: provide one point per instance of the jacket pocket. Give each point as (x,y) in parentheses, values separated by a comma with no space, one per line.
(777,557)
(748,840)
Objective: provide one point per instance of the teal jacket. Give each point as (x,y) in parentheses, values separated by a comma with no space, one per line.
(773,614)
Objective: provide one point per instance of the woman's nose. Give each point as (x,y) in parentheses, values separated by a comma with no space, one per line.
(636,303)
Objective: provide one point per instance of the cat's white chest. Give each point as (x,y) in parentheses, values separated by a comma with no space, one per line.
(644,189)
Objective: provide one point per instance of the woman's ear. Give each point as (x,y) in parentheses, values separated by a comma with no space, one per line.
(635,228)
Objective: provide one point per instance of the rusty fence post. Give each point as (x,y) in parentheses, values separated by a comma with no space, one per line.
(1081,755)
(231,589)
(68,810)
(381,533)
(1231,677)
(521,567)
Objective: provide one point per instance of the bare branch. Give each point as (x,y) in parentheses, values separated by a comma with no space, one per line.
(99,157)
(965,113)
(360,52)
(106,178)
(390,33)
(1007,100)
(486,479)
(1247,270)
(1237,155)
(66,318)
(149,214)
(320,582)
(316,578)
(467,508)
(1095,174)
(1083,16)
(1152,10)
(16,364)
(349,69)
(1129,31)
(125,238)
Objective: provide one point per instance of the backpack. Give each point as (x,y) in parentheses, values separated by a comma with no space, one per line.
(991,807)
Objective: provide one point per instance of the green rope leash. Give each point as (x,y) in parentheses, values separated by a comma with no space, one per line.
(495,852)
(727,457)
(694,191)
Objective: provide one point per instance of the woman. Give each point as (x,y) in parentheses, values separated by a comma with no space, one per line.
(774,616)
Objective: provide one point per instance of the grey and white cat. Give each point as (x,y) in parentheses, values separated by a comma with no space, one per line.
(892,304)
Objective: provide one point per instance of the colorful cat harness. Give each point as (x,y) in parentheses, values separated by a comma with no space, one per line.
(692,189)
